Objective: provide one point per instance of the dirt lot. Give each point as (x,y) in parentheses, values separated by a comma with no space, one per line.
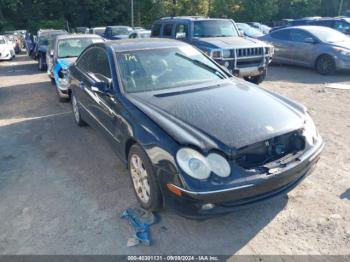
(62,189)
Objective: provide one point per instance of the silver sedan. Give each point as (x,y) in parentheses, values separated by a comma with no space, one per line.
(322,48)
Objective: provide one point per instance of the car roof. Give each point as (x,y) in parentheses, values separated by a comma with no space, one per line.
(145,43)
(77,36)
(119,26)
(332,19)
(188,18)
(314,29)
(141,31)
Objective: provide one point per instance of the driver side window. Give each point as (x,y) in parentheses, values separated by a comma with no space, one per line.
(299,36)
(95,61)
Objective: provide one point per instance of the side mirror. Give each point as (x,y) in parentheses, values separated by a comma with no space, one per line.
(241,32)
(181,35)
(309,40)
(51,53)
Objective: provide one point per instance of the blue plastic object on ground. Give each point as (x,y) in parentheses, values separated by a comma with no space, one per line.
(140,220)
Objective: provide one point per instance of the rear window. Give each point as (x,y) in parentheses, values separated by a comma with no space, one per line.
(327,23)
(156,30)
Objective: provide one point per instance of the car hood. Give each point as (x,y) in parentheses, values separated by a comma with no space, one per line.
(227,115)
(66,62)
(229,42)
(345,44)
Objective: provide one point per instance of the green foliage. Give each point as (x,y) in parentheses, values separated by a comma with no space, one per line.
(34,14)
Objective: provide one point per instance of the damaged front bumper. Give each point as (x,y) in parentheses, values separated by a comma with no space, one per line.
(197,204)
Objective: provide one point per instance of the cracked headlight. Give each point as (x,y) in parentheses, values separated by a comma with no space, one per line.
(198,166)
(219,165)
(310,130)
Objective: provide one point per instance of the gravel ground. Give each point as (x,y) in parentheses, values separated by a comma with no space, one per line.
(62,189)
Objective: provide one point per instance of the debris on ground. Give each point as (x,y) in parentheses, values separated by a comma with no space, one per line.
(140,220)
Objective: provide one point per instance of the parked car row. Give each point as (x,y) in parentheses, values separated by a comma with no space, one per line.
(7,50)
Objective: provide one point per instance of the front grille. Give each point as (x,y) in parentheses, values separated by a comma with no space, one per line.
(249,63)
(244,52)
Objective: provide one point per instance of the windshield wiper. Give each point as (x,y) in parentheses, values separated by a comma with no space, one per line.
(202,65)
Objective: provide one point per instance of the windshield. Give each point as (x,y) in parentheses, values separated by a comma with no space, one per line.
(2,41)
(121,30)
(157,69)
(74,47)
(214,28)
(329,35)
(249,31)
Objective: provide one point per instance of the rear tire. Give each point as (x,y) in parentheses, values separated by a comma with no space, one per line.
(76,111)
(144,179)
(41,64)
(325,65)
(62,99)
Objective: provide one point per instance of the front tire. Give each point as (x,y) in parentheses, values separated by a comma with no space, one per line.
(325,65)
(41,65)
(144,180)
(76,111)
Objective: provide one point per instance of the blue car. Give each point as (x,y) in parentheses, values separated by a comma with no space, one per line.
(193,137)
(67,49)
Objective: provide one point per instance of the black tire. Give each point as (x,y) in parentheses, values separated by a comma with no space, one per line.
(256,79)
(41,63)
(155,197)
(76,112)
(62,99)
(325,65)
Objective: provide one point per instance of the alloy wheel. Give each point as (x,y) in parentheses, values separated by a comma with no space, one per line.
(75,109)
(140,179)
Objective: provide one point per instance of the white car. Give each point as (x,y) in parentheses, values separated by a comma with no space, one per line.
(140,33)
(6,49)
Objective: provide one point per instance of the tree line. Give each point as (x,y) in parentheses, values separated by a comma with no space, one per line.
(34,14)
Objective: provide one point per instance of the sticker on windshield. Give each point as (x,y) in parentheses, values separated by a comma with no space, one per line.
(130,57)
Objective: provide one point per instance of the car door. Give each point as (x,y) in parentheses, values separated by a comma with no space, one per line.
(301,47)
(102,107)
(281,41)
(168,30)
